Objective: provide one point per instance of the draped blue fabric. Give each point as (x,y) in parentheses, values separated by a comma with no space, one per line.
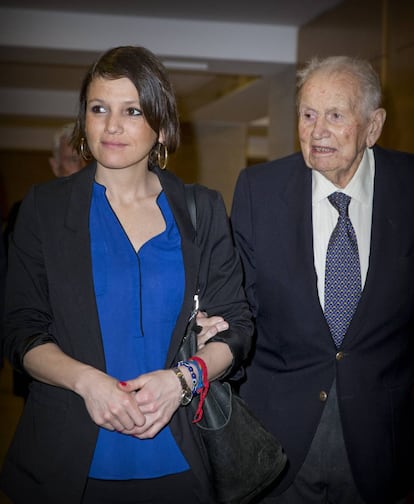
(139,296)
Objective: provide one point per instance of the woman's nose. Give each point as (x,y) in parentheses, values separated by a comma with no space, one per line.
(113,124)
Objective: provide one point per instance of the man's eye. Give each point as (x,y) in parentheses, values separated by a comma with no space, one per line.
(308,116)
(133,111)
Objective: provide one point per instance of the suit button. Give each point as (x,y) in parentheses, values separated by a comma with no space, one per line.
(339,356)
(323,396)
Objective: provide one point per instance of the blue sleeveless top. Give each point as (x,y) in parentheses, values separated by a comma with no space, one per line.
(139,296)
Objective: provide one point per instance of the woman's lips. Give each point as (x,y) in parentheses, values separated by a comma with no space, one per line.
(113,145)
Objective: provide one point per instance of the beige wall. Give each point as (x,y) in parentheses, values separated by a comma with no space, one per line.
(383,32)
(282,116)
(399,75)
(221,149)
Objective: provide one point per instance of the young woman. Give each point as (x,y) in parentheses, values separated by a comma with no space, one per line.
(103,268)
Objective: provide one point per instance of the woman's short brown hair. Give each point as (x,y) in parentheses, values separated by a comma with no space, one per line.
(150,78)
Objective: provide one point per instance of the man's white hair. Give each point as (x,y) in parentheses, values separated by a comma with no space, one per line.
(64,133)
(361,70)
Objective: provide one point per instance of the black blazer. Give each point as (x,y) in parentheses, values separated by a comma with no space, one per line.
(50,292)
(295,357)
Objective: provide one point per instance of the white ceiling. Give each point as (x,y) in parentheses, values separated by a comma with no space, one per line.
(276,12)
(214,51)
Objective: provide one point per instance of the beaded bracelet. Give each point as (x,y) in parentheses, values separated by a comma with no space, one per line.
(195,381)
(200,383)
(203,392)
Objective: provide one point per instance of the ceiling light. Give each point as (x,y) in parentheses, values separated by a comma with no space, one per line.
(186,65)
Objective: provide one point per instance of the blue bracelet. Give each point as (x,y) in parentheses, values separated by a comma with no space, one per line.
(200,383)
(194,379)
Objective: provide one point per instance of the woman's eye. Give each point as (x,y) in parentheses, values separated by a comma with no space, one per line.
(133,111)
(98,109)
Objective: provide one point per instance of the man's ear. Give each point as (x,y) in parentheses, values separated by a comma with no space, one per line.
(54,165)
(376,123)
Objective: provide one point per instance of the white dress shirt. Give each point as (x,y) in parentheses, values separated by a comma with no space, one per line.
(325,216)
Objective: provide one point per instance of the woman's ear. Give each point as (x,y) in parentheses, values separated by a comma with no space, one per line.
(376,124)
(161,137)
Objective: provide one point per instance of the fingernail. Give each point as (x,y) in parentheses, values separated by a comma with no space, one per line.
(123,384)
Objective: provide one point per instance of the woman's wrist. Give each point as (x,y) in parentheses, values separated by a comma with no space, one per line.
(186,392)
(84,377)
(193,373)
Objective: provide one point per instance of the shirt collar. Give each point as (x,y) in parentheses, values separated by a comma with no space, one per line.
(360,187)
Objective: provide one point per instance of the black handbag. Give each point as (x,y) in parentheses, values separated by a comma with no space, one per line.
(244,457)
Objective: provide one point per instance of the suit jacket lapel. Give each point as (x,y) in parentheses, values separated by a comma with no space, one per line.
(387,215)
(298,238)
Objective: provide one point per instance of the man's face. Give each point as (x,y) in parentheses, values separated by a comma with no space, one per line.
(333,131)
(70,161)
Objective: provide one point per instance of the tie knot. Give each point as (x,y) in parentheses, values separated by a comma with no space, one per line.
(340,201)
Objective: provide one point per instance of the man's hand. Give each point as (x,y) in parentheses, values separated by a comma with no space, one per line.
(210,326)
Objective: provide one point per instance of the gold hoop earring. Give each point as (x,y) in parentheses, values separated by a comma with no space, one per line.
(84,150)
(162,157)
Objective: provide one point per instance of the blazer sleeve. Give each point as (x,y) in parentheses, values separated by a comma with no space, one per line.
(3,269)
(27,310)
(243,232)
(221,289)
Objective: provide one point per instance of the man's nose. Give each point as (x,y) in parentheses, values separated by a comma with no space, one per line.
(320,128)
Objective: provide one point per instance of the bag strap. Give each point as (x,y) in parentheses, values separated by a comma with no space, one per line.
(191,204)
(192,210)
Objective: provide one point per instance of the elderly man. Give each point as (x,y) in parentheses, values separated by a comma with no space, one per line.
(327,242)
(65,159)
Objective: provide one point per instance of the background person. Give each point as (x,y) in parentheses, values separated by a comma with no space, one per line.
(100,294)
(65,159)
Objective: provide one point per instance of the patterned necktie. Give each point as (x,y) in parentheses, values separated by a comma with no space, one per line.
(342,271)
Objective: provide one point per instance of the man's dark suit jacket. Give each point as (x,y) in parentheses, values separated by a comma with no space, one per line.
(51,292)
(3,270)
(295,360)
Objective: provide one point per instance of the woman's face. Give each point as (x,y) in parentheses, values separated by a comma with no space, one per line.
(118,134)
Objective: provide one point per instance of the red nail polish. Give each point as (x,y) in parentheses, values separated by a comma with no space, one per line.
(123,384)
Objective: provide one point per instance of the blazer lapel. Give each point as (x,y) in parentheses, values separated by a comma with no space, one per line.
(175,193)
(77,248)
